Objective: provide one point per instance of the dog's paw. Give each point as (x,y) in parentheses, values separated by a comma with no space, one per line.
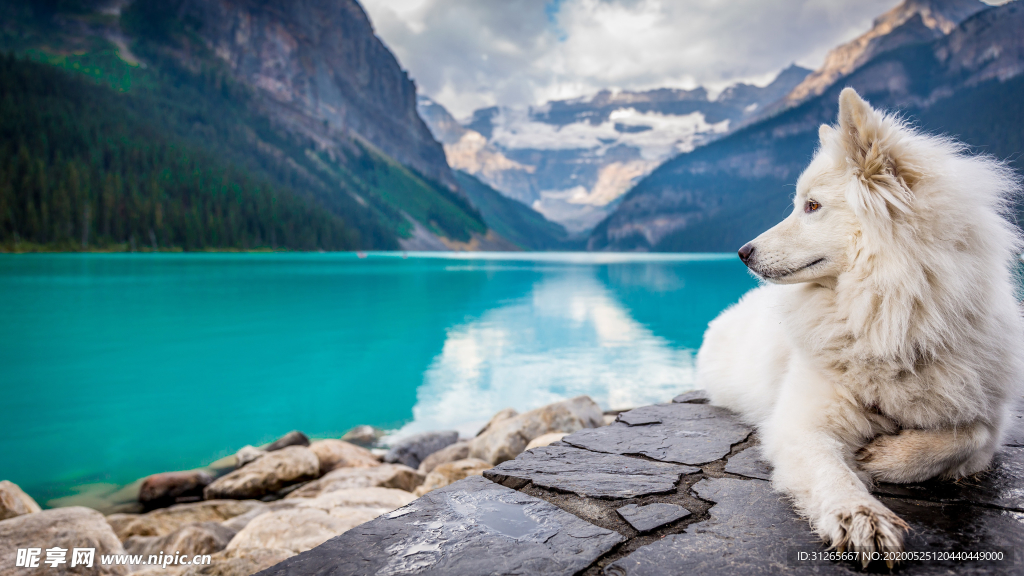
(866,529)
(895,458)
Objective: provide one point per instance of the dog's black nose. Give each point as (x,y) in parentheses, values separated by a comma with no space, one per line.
(745,252)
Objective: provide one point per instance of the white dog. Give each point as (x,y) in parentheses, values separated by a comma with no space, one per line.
(888,342)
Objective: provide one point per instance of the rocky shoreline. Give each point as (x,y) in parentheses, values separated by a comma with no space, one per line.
(565,489)
(266,504)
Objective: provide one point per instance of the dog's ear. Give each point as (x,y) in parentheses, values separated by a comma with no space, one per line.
(869,139)
(858,124)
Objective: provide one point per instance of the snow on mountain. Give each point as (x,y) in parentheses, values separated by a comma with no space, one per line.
(571,160)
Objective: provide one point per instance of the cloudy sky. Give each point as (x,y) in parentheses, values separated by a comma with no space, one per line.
(467,54)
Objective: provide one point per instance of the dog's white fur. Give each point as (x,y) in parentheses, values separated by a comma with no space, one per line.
(888,343)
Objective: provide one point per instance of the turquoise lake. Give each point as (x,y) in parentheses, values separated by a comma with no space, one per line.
(116,366)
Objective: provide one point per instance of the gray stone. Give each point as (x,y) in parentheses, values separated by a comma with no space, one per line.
(471,527)
(936,527)
(588,473)
(748,533)
(293,438)
(1002,485)
(638,418)
(687,434)
(753,530)
(692,397)
(414,449)
(651,516)
(749,463)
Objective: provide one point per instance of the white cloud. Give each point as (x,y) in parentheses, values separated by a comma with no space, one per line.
(468,54)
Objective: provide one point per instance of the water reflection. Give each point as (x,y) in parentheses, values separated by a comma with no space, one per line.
(569,336)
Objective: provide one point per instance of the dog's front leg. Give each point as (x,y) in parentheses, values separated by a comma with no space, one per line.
(810,438)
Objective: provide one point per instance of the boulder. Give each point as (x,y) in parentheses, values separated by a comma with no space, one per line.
(501,415)
(14,501)
(192,539)
(67,528)
(266,475)
(334,454)
(383,476)
(313,521)
(166,520)
(547,439)
(160,490)
(298,529)
(456,451)
(293,438)
(248,454)
(414,449)
(506,439)
(384,499)
(238,562)
(445,474)
(365,436)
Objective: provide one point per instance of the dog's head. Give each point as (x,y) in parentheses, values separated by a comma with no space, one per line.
(856,176)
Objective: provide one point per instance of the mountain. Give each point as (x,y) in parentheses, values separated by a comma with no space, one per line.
(513,220)
(910,22)
(302,96)
(571,160)
(966,83)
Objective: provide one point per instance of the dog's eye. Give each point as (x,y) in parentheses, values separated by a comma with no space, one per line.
(811,206)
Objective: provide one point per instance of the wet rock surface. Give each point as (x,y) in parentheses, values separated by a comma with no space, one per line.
(669,489)
(748,532)
(471,527)
(679,432)
(588,473)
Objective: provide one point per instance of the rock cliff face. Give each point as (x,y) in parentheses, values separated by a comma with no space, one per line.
(968,83)
(323,71)
(911,22)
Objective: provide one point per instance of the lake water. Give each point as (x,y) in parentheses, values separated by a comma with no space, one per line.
(113,367)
